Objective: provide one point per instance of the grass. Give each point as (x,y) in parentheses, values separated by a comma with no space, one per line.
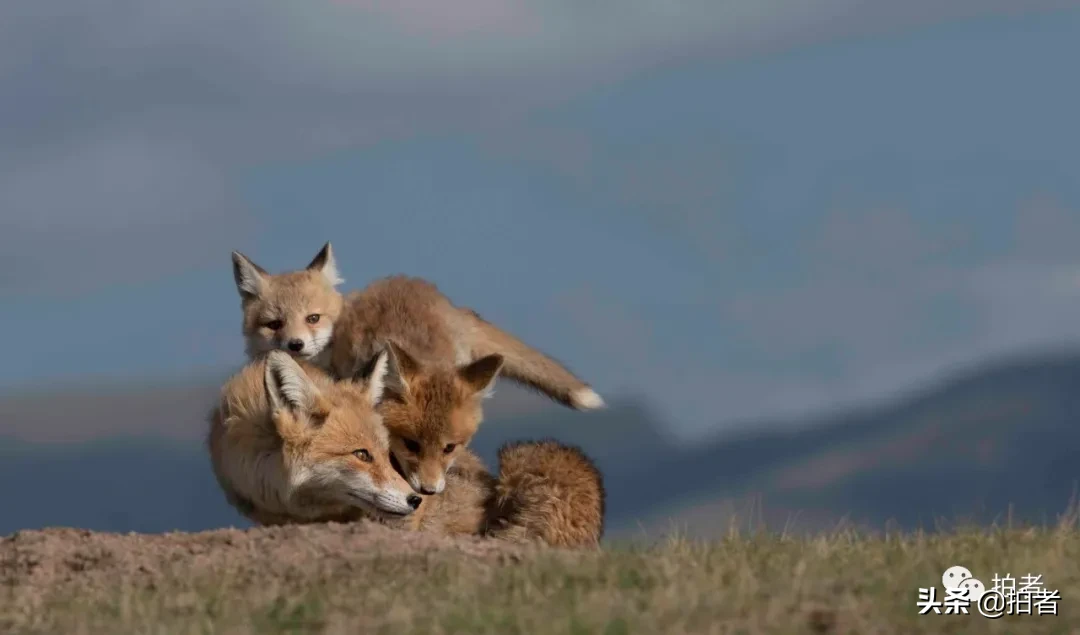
(747,582)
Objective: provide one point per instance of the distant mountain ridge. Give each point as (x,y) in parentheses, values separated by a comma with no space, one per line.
(998,435)
(997,440)
(173,410)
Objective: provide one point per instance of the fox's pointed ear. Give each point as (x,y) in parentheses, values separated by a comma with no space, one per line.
(250,278)
(400,365)
(480,375)
(406,364)
(289,387)
(382,377)
(325,264)
(385,373)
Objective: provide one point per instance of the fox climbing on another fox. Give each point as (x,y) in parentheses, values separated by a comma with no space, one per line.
(303,313)
(290,444)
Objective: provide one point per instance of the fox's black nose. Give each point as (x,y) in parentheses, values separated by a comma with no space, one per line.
(413,500)
(427,490)
(296,345)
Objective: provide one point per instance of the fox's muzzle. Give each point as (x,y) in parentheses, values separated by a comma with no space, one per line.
(397,504)
(430,488)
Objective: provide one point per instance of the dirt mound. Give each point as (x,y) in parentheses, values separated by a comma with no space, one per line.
(39,564)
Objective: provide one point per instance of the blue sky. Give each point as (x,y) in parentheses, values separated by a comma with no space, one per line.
(737,223)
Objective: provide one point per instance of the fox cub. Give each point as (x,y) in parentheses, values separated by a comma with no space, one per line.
(303,313)
(545,492)
(293,311)
(431,412)
(290,444)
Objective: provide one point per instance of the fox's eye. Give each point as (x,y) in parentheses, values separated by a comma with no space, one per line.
(449,448)
(363,455)
(412,446)
(313,318)
(275,325)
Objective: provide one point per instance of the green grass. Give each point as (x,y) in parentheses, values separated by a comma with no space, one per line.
(743,583)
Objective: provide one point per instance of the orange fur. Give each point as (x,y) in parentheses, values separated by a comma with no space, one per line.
(413,370)
(546,493)
(441,379)
(432,413)
(413,313)
(283,445)
(287,443)
(303,308)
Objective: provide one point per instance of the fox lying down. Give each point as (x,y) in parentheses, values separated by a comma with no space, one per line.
(290,444)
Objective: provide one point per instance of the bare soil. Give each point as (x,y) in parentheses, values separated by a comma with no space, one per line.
(37,567)
(367,578)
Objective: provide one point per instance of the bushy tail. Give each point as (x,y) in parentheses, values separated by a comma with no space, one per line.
(529,366)
(547,492)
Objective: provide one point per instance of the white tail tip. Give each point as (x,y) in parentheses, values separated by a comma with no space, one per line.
(586,399)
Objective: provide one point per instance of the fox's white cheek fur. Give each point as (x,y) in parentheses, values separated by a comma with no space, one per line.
(380,497)
(361,485)
(314,476)
(319,340)
(299,477)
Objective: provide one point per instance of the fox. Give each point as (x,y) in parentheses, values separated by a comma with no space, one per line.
(431,412)
(305,314)
(417,315)
(289,443)
(546,493)
(293,311)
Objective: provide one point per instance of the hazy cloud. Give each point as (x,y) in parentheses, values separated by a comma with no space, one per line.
(127,129)
(181,97)
(874,312)
(128,208)
(1045,230)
